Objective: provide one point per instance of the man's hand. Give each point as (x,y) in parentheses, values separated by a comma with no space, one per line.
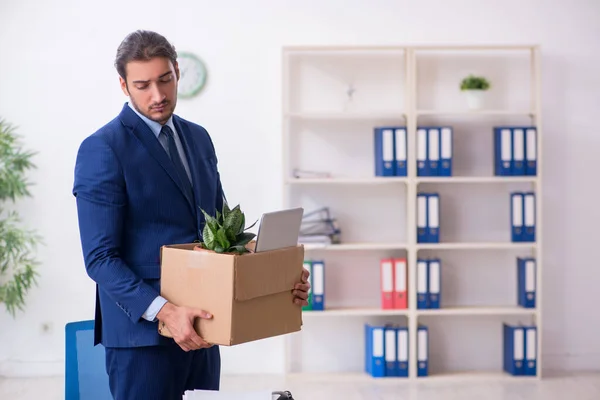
(180,322)
(301,289)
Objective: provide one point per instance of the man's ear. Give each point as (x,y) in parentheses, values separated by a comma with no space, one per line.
(123,86)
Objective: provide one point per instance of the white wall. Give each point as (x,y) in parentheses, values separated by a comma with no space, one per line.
(58,84)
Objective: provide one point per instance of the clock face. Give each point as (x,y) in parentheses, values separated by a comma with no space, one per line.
(192,75)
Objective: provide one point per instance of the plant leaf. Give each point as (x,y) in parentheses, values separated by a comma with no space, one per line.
(233,222)
(474,82)
(240,228)
(221,238)
(209,219)
(226,209)
(13,164)
(244,238)
(240,249)
(251,225)
(230,235)
(208,236)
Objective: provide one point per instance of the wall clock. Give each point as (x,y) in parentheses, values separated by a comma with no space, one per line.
(192,73)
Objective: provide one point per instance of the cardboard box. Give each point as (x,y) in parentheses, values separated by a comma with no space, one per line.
(249,295)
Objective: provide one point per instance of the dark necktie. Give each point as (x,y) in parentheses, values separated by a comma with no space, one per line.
(174,155)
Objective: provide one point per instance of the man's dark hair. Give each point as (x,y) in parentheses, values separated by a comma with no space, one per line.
(142,46)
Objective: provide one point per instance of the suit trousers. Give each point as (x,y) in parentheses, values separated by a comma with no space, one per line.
(162,372)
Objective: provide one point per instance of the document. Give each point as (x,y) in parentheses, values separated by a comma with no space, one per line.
(228,395)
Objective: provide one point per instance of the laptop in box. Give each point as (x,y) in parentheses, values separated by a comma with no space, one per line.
(279,229)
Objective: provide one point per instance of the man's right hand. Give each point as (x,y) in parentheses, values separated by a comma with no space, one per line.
(180,322)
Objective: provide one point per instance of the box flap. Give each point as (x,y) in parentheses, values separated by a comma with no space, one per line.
(270,272)
(182,246)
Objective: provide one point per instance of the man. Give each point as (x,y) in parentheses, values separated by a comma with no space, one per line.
(140,182)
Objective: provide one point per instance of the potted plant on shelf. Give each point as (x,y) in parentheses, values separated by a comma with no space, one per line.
(17,264)
(474,87)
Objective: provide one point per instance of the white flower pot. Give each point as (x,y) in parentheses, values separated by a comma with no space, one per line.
(475,98)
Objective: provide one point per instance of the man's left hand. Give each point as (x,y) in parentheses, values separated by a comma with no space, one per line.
(301,289)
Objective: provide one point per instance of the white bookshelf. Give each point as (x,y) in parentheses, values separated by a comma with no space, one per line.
(323,131)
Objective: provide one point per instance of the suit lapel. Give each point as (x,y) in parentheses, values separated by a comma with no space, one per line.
(187,142)
(147,138)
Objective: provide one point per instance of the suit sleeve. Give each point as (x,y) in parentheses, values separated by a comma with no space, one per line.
(99,189)
(220,199)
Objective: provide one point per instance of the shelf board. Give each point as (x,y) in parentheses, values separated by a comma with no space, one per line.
(448,311)
(344,49)
(347,181)
(397,115)
(333,49)
(343,312)
(474,376)
(349,116)
(420,246)
(355,246)
(328,377)
(362,378)
(475,112)
(405,180)
(476,179)
(476,246)
(485,310)
(478,47)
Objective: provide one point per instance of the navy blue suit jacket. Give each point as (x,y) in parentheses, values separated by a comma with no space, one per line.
(129,204)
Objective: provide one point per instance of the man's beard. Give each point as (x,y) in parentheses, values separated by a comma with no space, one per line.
(168,106)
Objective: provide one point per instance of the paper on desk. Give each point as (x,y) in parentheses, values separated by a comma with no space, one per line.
(228,395)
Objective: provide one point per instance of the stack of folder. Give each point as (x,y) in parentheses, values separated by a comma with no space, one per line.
(429,283)
(394,288)
(434,150)
(319,227)
(515,151)
(390,151)
(519,349)
(428,217)
(526,282)
(387,351)
(316,294)
(523,216)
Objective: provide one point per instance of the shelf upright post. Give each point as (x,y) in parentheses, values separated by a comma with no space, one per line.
(537,122)
(411,199)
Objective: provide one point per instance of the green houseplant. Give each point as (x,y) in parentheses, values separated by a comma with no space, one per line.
(474,87)
(17,244)
(226,233)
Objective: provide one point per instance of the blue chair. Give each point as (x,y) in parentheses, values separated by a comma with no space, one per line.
(85,371)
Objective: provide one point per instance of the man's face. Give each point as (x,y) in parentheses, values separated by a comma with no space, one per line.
(152,87)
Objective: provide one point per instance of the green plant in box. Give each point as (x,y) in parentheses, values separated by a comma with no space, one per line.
(226,233)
